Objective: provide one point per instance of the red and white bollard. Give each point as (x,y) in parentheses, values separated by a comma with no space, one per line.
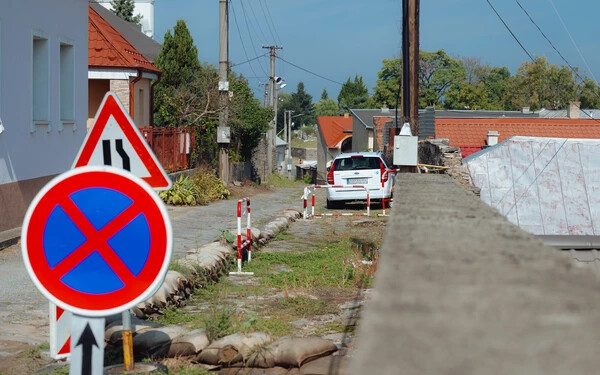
(383,200)
(248,242)
(60,332)
(311,190)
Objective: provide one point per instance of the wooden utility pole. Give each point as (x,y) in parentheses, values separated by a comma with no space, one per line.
(410,64)
(223,89)
(271,134)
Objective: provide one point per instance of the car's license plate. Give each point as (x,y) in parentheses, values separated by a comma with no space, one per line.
(357,181)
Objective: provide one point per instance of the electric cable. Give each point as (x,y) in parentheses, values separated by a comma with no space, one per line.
(308,71)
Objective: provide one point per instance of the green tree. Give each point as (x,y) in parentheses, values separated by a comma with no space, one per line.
(324,94)
(354,94)
(301,103)
(495,81)
(326,107)
(124,9)
(438,73)
(247,118)
(589,94)
(538,85)
(388,83)
(178,58)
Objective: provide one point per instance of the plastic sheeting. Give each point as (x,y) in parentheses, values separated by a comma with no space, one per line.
(548,186)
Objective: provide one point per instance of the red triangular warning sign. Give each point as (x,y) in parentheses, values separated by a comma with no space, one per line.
(114,140)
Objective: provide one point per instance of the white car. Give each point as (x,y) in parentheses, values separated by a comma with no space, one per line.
(358,168)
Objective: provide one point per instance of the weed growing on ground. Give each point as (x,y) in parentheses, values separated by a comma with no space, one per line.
(283,182)
(281,236)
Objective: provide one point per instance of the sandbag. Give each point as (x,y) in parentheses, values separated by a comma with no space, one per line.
(188,344)
(255,233)
(253,371)
(291,352)
(150,341)
(161,297)
(326,365)
(232,349)
(267,234)
(113,331)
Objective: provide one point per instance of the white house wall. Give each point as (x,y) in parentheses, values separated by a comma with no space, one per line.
(29,151)
(546,186)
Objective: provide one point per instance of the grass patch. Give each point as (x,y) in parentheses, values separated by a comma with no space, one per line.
(35,352)
(329,266)
(305,306)
(297,142)
(283,182)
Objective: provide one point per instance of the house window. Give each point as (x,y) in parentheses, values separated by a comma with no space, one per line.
(41,84)
(67,84)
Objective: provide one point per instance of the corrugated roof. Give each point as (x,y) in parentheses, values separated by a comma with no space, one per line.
(335,129)
(473,132)
(546,186)
(456,113)
(143,43)
(108,48)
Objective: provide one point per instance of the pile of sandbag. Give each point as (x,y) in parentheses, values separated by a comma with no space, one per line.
(232,354)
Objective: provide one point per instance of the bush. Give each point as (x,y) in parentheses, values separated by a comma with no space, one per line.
(200,189)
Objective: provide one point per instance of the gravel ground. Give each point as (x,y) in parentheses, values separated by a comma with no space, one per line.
(24,311)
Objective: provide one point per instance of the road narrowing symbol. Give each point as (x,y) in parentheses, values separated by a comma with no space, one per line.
(97,241)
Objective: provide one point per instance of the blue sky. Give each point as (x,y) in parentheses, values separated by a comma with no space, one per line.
(340,38)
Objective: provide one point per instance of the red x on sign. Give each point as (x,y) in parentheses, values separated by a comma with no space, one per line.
(97,240)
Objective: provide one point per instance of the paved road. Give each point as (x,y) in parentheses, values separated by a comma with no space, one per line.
(460,290)
(24,311)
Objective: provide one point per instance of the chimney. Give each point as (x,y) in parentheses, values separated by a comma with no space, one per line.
(346,115)
(525,110)
(385,109)
(573,110)
(492,137)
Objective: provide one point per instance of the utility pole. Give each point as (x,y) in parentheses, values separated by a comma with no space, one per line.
(410,64)
(273,100)
(289,142)
(223,131)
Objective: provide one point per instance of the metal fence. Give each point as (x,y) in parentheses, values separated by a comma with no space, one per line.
(172,146)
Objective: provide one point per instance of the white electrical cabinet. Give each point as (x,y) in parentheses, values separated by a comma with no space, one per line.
(405,150)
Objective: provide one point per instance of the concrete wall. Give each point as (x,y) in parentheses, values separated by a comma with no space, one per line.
(30,151)
(321,158)
(97,88)
(362,138)
(142,102)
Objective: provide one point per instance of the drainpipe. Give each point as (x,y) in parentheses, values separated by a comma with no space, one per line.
(152,98)
(132,94)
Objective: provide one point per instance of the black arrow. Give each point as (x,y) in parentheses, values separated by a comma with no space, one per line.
(87,341)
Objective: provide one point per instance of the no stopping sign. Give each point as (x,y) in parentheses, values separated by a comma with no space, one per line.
(97,241)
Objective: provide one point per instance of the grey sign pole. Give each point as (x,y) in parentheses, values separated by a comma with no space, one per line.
(87,345)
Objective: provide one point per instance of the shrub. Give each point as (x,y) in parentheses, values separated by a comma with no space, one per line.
(200,189)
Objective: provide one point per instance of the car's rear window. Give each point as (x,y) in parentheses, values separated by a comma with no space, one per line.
(350,164)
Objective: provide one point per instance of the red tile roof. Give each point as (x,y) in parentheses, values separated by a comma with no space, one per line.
(108,48)
(471,133)
(335,129)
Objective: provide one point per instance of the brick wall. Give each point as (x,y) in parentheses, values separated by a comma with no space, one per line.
(121,88)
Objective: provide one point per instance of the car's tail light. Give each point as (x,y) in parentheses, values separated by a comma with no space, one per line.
(384,176)
(330,174)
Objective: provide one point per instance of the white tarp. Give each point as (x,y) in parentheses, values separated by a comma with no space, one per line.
(545,186)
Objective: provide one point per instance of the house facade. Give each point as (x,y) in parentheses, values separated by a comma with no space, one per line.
(334,136)
(142,7)
(116,65)
(43,97)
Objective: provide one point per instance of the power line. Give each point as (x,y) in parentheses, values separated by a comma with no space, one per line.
(250,36)
(510,31)
(573,70)
(248,60)
(265,39)
(572,40)
(308,71)
(267,22)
